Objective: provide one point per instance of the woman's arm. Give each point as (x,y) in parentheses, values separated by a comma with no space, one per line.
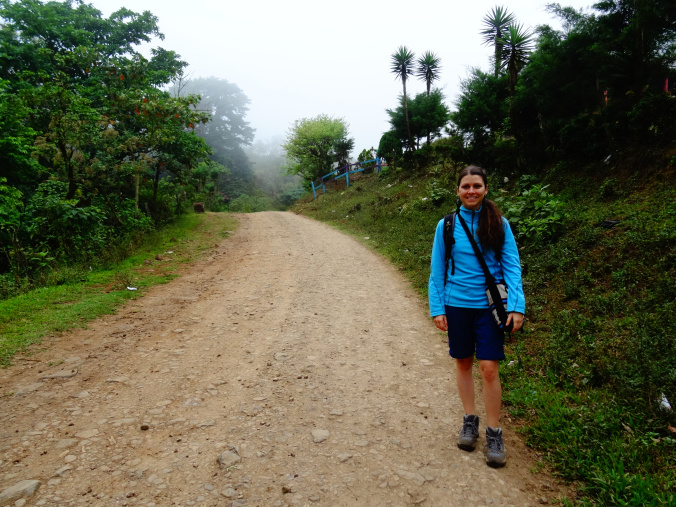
(511,271)
(436,287)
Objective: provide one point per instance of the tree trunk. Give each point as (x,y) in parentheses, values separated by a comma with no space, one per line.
(408,124)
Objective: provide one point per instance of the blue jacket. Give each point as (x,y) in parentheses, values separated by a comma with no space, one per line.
(466,288)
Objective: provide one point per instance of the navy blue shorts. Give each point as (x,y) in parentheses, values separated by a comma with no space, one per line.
(473,332)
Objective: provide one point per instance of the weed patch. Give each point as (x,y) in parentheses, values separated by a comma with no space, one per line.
(25,319)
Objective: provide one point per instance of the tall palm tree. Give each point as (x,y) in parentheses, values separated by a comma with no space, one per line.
(402,67)
(428,69)
(517,46)
(429,66)
(495,26)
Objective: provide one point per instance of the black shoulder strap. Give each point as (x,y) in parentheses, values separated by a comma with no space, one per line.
(449,227)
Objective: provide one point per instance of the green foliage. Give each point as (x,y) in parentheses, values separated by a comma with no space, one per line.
(71,297)
(429,66)
(251,204)
(313,145)
(481,110)
(495,25)
(428,116)
(228,132)
(93,149)
(536,215)
(268,162)
(390,148)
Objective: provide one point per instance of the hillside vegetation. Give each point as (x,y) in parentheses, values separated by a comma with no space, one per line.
(595,364)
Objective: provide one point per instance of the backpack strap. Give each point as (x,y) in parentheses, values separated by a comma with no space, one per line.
(449,240)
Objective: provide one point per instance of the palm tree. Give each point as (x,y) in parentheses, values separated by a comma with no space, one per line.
(428,69)
(429,66)
(402,67)
(517,45)
(495,27)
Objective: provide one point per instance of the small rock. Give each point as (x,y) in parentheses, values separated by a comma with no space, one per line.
(336,412)
(229,493)
(20,490)
(29,389)
(320,435)
(344,457)
(70,458)
(314,498)
(228,459)
(62,374)
(206,424)
(83,394)
(145,427)
(20,502)
(87,433)
(118,379)
(411,476)
(66,443)
(62,471)
(544,501)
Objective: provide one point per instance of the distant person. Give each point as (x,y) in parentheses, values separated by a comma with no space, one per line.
(459,305)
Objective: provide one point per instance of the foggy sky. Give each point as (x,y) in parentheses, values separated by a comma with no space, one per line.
(301,58)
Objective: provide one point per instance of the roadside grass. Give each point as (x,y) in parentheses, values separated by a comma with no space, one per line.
(598,352)
(27,318)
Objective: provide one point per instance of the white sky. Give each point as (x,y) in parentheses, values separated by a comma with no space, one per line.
(299,58)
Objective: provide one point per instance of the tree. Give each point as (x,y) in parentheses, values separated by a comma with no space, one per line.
(35,34)
(313,144)
(495,27)
(16,141)
(390,148)
(429,66)
(517,45)
(402,67)
(228,132)
(482,108)
(428,116)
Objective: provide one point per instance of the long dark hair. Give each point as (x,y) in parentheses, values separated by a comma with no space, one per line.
(491,234)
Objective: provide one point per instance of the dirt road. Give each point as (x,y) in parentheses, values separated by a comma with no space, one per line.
(302,360)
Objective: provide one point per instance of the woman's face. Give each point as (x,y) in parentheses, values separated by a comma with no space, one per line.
(472,191)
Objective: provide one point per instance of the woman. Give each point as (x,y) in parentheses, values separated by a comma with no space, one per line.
(458,304)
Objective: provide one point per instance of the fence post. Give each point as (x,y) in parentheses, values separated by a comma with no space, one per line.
(378,158)
(313,190)
(347,176)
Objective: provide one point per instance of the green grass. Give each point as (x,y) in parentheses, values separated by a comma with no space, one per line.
(598,350)
(27,318)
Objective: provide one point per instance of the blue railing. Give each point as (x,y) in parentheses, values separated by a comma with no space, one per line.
(344,172)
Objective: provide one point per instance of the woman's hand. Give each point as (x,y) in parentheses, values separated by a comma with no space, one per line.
(516,318)
(440,322)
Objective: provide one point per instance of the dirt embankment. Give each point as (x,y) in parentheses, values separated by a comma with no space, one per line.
(299,358)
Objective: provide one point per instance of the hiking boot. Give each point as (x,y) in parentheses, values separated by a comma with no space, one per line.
(469,432)
(494,448)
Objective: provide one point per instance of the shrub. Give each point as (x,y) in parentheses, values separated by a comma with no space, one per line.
(536,215)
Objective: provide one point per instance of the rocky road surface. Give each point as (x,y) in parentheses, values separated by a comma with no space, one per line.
(292,366)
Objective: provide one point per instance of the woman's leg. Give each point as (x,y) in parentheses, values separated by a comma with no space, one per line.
(466,383)
(492,391)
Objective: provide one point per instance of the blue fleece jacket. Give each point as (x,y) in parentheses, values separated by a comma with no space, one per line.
(466,288)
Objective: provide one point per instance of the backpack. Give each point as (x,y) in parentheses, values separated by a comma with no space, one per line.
(449,227)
